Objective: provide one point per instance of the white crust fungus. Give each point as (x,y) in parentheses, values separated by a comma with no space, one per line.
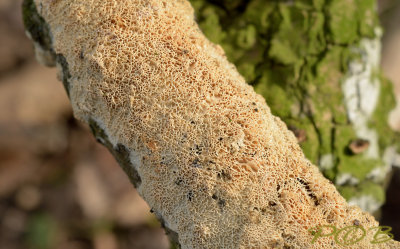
(214,163)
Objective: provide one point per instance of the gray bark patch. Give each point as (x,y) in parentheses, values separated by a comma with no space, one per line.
(120,152)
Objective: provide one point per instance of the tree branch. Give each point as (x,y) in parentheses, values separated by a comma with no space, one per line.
(202,148)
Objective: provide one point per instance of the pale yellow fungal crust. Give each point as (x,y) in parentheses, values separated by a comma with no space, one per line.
(214,163)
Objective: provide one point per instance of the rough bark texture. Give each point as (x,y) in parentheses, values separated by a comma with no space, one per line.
(260,193)
(317,65)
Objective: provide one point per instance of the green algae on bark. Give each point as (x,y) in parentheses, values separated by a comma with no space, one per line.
(301,55)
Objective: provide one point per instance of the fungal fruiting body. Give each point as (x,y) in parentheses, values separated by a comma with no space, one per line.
(202,148)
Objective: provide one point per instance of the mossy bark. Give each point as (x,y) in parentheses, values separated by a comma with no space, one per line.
(300,55)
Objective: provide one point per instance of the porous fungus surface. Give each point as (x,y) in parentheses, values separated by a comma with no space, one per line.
(202,147)
(317,65)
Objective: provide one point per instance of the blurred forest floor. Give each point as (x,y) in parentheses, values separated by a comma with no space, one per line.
(59,188)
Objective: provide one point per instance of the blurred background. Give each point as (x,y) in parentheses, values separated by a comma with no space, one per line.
(60,189)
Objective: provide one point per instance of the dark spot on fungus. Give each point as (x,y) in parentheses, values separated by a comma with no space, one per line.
(288,237)
(272,203)
(198,149)
(178,181)
(356,222)
(250,154)
(224,175)
(286,246)
(190,195)
(184,137)
(221,203)
(256,110)
(196,163)
(309,192)
(331,217)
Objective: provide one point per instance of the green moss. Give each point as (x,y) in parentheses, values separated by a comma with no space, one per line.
(371,189)
(310,145)
(258,13)
(318,4)
(289,44)
(328,69)
(211,26)
(282,52)
(246,37)
(358,165)
(275,92)
(248,71)
(296,54)
(348,191)
(367,20)
(342,21)
(317,40)
(387,103)
(344,134)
